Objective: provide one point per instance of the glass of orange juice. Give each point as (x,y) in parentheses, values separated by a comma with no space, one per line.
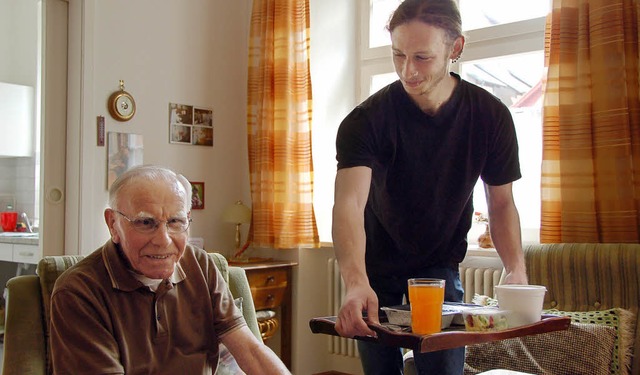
(426,297)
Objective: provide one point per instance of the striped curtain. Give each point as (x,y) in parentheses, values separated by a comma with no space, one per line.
(591,123)
(279,126)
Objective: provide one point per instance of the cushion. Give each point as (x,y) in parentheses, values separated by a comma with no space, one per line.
(48,270)
(581,349)
(621,320)
(227,365)
(597,342)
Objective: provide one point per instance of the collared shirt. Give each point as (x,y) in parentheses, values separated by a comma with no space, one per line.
(105,321)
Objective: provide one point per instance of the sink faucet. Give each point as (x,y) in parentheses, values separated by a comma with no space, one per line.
(25,218)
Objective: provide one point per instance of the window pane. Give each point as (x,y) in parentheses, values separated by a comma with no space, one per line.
(379,16)
(477,14)
(379,81)
(517,81)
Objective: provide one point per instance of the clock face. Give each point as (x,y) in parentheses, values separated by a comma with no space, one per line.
(122,106)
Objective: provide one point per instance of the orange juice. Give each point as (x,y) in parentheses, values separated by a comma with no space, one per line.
(426,297)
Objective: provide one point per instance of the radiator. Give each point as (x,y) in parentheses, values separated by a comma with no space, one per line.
(475,280)
(338,345)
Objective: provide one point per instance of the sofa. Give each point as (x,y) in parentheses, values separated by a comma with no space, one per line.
(592,283)
(598,286)
(27,312)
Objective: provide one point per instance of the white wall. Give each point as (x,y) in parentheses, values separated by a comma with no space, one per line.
(190,52)
(333,75)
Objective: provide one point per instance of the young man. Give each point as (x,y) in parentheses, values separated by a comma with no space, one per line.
(147,302)
(408,160)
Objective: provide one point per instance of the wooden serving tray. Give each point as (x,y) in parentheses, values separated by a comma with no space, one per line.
(453,337)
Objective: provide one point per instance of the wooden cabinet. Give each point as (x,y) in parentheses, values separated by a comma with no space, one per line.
(268,286)
(270,283)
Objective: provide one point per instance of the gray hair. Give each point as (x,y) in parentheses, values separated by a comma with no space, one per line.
(149,173)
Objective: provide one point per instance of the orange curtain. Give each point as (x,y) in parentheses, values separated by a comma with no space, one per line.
(279,126)
(591,123)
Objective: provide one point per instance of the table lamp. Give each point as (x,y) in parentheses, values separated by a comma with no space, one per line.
(237,214)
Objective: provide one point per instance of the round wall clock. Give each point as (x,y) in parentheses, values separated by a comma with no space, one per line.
(121,105)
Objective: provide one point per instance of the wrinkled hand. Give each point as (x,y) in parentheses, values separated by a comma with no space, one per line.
(516,278)
(349,322)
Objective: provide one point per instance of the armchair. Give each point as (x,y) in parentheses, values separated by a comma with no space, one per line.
(26,349)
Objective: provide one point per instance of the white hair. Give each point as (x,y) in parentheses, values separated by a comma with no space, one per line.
(150,173)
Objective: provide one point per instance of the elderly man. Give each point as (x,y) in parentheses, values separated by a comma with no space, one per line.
(147,302)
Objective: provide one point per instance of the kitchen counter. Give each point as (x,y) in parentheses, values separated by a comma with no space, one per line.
(26,240)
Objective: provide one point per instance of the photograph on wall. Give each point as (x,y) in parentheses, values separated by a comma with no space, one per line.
(190,125)
(202,116)
(180,114)
(202,136)
(180,134)
(125,150)
(197,195)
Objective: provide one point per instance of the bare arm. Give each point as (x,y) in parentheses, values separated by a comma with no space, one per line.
(351,194)
(505,231)
(253,356)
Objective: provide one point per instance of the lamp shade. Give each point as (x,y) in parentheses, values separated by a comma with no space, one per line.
(237,213)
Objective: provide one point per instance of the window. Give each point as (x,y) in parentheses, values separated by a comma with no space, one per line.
(504,55)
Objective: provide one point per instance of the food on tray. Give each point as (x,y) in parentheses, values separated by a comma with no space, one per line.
(451,314)
(485,319)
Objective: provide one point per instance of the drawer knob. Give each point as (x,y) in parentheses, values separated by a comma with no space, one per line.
(271,279)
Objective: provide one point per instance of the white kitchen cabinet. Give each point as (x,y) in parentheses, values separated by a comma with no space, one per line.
(6,252)
(26,253)
(20,253)
(16,120)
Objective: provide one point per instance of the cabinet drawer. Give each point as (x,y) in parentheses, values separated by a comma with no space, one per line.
(267,287)
(6,252)
(267,297)
(267,277)
(26,253)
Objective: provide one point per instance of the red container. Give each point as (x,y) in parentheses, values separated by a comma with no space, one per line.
(9,220)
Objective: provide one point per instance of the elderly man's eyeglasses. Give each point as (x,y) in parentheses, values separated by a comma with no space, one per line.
(175,225)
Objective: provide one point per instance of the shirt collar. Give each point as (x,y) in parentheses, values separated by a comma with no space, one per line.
(120,273)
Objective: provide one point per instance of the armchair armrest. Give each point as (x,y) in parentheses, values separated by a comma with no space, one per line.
(239,286)
(24,344)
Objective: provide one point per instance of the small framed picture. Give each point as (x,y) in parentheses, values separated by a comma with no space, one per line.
(124,151)
(197,195)
(203,116)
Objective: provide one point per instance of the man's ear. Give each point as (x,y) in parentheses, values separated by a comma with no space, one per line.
(110,219)
(457,48)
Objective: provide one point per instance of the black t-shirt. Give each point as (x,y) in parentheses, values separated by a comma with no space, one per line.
(424,169)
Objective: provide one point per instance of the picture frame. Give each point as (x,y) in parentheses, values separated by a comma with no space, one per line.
(124,151)
(197,195)
(190,125)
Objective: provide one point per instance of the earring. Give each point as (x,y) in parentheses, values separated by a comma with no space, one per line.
(457,58)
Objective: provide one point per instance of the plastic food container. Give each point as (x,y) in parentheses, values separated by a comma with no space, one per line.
(401,315)
(486,319)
